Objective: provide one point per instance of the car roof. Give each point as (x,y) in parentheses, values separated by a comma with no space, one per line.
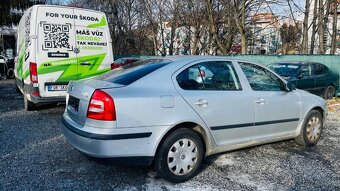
(296,62)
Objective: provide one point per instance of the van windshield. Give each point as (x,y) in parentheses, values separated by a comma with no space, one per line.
(132,72)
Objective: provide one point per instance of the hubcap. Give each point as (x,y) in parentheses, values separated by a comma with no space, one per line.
(182,156)
(313,129)
(330,93)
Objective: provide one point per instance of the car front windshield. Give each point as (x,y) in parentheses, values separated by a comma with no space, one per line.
(284,69)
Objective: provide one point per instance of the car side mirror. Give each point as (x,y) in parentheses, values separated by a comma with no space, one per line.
(290,87)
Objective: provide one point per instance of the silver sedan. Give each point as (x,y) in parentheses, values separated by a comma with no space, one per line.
(173,112)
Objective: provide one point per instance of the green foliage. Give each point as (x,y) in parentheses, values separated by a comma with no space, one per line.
(12,10)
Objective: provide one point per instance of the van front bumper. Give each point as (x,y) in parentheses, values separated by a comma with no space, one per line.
(137,144)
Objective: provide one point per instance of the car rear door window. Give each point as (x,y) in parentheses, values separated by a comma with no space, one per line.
(306,70)
(190,79)
(261,79)
(213,75)
(319,69)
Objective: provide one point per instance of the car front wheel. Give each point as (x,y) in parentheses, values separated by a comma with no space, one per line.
(329,92)
(180,156)
(311,129)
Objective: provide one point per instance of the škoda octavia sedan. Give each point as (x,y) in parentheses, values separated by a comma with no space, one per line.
(166,113)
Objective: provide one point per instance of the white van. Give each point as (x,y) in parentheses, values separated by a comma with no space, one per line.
(56,44)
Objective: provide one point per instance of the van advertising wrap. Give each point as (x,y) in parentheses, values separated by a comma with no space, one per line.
(63,43)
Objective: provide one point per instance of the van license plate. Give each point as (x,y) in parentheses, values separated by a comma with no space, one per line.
(57,87)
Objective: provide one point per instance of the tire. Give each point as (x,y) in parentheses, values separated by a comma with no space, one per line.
(10,73)
(29,106)
(329,92)
(17,90)
(186,147)
(311,130)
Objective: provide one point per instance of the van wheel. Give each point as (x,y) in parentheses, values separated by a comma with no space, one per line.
(29,106)
(17,90)
(10,73)
(311,130)
(180,156)
(329,92)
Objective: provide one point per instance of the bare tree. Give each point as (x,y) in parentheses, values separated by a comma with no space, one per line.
(321,31)
(240,7)
(305,28)
(315,12)
(334,28)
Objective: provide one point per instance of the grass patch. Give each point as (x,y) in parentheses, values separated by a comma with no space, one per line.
(333,104)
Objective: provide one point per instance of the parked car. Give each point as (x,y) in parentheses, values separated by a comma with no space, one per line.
(123,61)
(154,112)
(313,77)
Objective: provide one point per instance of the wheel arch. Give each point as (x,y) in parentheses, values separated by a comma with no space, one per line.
(317,108)
(201,132)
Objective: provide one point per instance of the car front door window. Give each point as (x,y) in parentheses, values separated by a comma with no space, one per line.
(261,79)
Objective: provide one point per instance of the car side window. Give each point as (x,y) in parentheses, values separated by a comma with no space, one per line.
(213,75)
(190,79)
(319,69)
(261,79)
(306,70)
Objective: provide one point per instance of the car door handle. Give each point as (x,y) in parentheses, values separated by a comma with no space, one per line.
(260,101)
(201,103)
(85,63)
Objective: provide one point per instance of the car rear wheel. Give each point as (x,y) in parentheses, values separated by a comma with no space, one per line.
(311,130)
(329,92)
(29,106)
(180,156)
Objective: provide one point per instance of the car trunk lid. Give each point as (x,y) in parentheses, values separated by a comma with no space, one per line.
(79,95)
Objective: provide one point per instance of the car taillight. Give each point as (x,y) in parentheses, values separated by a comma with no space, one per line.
(101,107)
(114,66)
(33,72)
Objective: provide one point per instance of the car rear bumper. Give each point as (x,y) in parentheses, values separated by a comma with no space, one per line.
(138,144)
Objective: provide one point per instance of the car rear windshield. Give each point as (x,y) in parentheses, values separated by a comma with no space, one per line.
(284,69)
(133,72)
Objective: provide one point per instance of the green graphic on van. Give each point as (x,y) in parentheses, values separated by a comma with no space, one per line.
(72,70)
(21,59)
(101,23)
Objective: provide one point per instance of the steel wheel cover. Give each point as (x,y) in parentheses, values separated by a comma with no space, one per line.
(313,128)
(330,92)
(182,157)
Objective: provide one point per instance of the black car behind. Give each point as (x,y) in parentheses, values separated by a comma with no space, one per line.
(313,77)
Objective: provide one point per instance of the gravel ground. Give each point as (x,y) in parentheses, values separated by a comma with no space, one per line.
(34,155)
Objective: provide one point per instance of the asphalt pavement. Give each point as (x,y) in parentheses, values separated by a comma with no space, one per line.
(34,155)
